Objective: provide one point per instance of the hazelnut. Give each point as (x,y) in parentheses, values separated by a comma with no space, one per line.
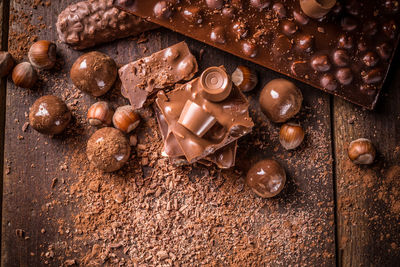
(266,178)
(280,100)
(361,151)
(42,54)
(94,73)
(49,115)
(108,149)
(6,63)
(125,119)
(244,78)
(24,75)
(291,135)
(100,114)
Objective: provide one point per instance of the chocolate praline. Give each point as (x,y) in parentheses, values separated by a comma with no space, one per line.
(266,178)
(94,73)
(108,149)
(49,115)
(280,100)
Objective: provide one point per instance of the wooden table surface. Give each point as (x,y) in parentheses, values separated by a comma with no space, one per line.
(358,208)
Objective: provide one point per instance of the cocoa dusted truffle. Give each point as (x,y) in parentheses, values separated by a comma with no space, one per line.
(49,115)
(94,73)
(108,149)
(280,100)
(266,178)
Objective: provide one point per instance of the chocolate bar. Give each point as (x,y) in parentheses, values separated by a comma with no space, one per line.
(164,68)
(203,116)
(88,23)
(343,48)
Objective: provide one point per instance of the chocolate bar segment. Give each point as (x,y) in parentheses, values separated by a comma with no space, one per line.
(146,76)
(88,23)
(347,52)
(201,126)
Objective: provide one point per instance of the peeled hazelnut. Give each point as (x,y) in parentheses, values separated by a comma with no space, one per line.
(100,114)
(266,178)
(6,63)
(94,73)
(244,78)
(42,54)
(361,151)
(49,115)
(24,75)
(125,119)
(291,135)
(108,149)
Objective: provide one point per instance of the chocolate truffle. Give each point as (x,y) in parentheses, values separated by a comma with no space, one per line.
(280,100)
(94,73)
(108,149)
(49,115)
(266,178)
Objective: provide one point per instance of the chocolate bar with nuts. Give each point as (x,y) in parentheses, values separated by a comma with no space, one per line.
(88,23)
(164,68)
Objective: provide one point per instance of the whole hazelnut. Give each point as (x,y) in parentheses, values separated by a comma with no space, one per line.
(94,73)
(100,114)
(6,63)
(42,54)
(24,75)
(291,135)
(49,115)
(361,151)
(266,178)
(244,78)
(108,149)
(280,100)
(125,119)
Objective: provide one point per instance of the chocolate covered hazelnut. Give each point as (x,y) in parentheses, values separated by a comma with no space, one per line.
(300,18)
(370,59)
(249,49)
(240,30)
(217,35)
(317,8)
(108,149)
(162,10)
(94,73)
(260,4)
(372,76)
(328,82)
(266,178)
(320,63)
(193,15)
(344,76)
(49,115)
(289,27)
(345,42)
(384,50)
(279,10)
(215,4)
(341,58)
(305,42)
(280,100)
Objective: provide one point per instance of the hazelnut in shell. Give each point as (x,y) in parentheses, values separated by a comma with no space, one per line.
(100,114)
(94,73)
(280,100)
(24,75)
(108,149)
(291,135)
(266,178)
(244,78)
(362,151)
(49,115)
(6,63)
(42,54)
(126,119)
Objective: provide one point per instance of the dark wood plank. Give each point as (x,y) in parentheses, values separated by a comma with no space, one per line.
(295,228)
(368,197)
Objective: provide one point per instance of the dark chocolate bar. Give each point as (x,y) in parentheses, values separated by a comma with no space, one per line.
(88,23)
(343,48)
(164,68)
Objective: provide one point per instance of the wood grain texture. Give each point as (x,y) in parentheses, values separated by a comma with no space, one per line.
(368,197)
(33,161)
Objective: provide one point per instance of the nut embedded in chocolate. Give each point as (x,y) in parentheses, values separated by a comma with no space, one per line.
(344,76)
(320,63)
(317,8)
(215,4)
(328,82)
(279,10)
(49,115)
(341,58)
(162,10)
(193,15)
(217,35)
(249,49)
(260,4)
(94,73)
(289,27)
(370,59)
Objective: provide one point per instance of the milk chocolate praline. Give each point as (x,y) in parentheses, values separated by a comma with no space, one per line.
(266,178)
(49,115)
(94,73)
(280,100)
(108,149)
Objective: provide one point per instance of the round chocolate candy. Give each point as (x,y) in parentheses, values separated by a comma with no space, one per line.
(344,76)
(215,4)
(328,82)
(317,8)
(280,100)
(279,10)
(215,83)
(305,42)
(217,35)
(341,58)
(260,4)
(249,49)
(320,63)
(370,59)
(266,178)
(289,27)
(162,10)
